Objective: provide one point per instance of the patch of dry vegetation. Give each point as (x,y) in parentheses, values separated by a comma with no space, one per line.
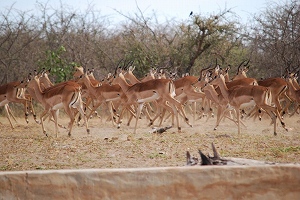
(26,148)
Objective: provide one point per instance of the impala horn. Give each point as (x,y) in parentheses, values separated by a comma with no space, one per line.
(238,69)
(203,70)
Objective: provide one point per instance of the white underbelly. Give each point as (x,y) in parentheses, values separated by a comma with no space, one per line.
(113,99)
(58,106)
(154,97)
(248,104)
(5,101)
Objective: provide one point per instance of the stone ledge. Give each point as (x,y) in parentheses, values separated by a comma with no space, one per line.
(197,182)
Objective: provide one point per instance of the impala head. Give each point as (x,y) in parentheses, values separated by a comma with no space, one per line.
(239,67)
(241,72)
(44,79)
(78,71)
(201,81)
(108,79)
(217,79)
(161,74)
(203,72)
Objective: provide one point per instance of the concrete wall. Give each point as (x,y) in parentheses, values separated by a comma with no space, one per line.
(197,182)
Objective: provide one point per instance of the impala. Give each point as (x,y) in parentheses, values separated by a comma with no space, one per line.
(294,93)
(241,72)
(131,79)
(220,101)
(184,90)
(240,96)
(294,77)
(13,92)
(90,98)
(215,95)
(105,93)
(161,90)
(65,95)
(278,88)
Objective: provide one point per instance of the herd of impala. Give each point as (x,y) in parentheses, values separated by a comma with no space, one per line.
(156,93)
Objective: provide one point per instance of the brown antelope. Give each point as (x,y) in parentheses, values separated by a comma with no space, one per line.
(215,95)
(223,110)
(89,94)
(160,90)
(183,89)
(65,95)
(105,93)
(240,96)
(187,93)
(294,92)
(131,79)
(241,72)
(13,92)
(90,99)
(278,88)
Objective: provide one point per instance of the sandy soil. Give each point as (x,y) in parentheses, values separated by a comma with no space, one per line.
(26,148)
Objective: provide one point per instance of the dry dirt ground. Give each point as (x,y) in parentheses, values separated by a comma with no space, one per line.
(26,148)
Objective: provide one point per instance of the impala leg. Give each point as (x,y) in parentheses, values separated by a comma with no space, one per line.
(130,118)
(162,117)
(94,108)
(219,116)
(158,114)
(146,109)
(172,104)
(42,120)
(72,118)
(121,115)
(281,120)
(179,106)
(238,120)
(273,117)
(131,111)
(138,113)
(83,115)
(110,108)
(175,113)
(6,106)
(11,113)
(55,116)
(272,112)
(33,112)
(25,104)
(167,117)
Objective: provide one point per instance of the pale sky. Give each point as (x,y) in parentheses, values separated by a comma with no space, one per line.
(178,9)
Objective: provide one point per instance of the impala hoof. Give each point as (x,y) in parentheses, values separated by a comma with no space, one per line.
(88,131)
(275,133)
(179,129)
